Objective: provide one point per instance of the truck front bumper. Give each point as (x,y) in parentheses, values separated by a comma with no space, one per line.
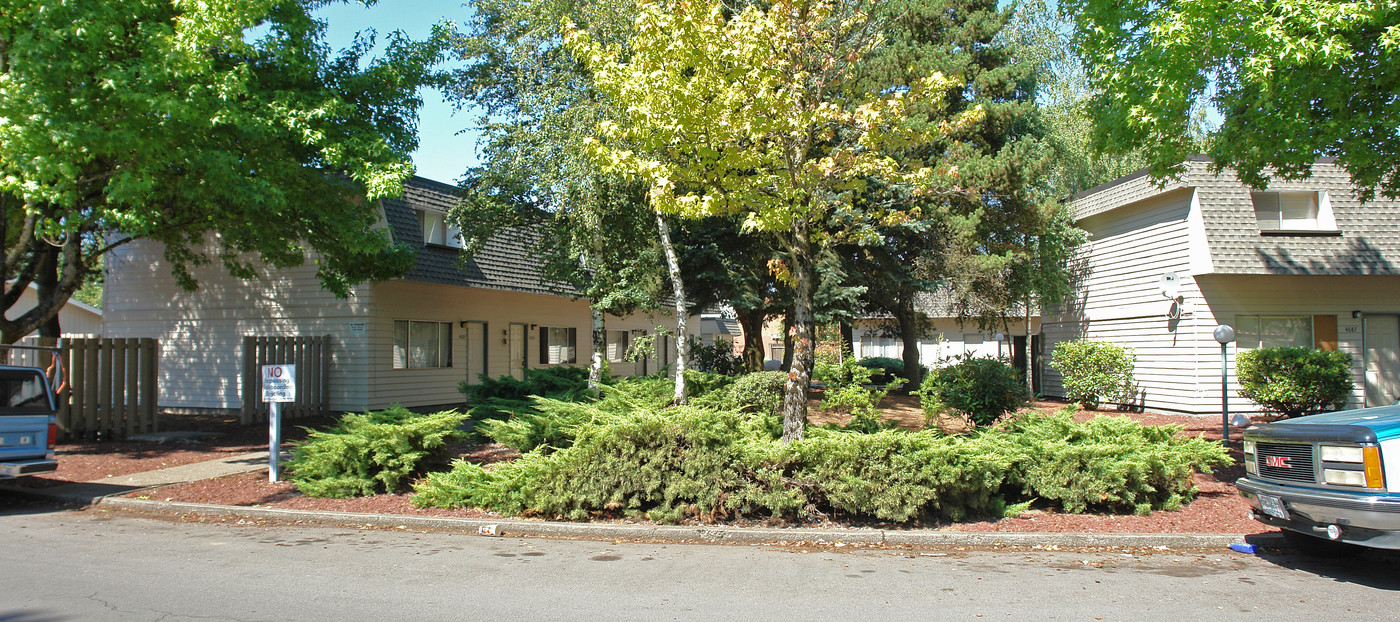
(1368,520)
(27,467)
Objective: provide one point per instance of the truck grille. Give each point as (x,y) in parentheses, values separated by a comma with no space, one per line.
(1289,462)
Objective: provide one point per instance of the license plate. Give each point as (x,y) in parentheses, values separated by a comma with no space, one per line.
(1273,506)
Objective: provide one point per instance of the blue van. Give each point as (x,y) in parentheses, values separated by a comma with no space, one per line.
(28,427)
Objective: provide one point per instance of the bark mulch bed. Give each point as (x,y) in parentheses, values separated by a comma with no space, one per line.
(1218,508)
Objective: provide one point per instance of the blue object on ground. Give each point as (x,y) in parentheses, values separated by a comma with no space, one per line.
(1244,547)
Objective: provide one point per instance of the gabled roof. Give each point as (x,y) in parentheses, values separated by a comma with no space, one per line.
(506,262)
(1368,243)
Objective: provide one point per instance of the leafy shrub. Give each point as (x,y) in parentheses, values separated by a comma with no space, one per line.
(697,463)
(846,385)
(759,392)
(547,381)
(715,358)
(1294,381)
(699,383)
(886,368)
(547,424)
(664,465)
(1113,464)
(374,452)
(981,389)
(1095,371)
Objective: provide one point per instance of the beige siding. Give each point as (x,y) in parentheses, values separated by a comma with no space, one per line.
(406,300)
(73,319)
(1118,299)
(947,338)
(1230,296)
(201,332)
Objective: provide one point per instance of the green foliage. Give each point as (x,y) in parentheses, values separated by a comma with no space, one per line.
(700,383)
(888,368)
(759,392)
(848,387)
(545,423)
(716,358)
(147,120)
(981,389)
(1294,381)
(558,381)
(698,463)
(1287,78)
(370,453)
(1111,464)
(1095,371)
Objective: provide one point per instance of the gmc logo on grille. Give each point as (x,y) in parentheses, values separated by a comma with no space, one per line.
(1277,462)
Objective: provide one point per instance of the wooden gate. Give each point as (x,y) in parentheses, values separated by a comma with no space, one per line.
(311,355)
(106,387)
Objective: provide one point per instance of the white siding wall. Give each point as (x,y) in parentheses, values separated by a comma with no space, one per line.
(945,340)
(201,332)
(73,320)
(1118,300)
(1229,296)
(404,300)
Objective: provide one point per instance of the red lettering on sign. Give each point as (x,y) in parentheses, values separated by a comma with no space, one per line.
(1277,462)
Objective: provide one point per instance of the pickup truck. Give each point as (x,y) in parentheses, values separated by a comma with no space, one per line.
(28,427)
(1334,476)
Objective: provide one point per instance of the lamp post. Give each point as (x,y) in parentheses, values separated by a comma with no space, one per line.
(1224,334)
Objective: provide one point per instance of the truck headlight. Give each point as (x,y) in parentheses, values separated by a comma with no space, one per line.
(1333,453)
(1250,465)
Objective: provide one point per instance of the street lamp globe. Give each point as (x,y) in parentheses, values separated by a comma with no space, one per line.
(1224,334)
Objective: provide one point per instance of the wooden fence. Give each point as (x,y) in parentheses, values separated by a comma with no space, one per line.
(107,387)
(311,355)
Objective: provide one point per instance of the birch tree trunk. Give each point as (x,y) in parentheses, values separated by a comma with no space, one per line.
(673,267)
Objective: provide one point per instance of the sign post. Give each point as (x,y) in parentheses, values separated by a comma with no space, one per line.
(279,384)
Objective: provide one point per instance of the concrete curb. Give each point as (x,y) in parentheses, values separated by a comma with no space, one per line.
(709,534)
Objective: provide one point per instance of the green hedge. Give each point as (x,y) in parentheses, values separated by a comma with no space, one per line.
(1295,381)
(374,452)
(705,464)
(1095,372)
(981,389)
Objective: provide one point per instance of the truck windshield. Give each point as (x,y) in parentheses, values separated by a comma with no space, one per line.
(23,391)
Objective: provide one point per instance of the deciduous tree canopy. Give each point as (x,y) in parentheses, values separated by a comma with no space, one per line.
(1293,79)
(183,122)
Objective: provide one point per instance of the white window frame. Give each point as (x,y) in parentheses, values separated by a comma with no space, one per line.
(437,231)
(404,356)
(1279,210)
(558,345)
(616,348)
(1250,330)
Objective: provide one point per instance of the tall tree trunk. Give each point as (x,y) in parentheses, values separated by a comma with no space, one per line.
(751,320)
(600,331)
(600,345)
(787,338)
(800,372)
(909,336)
(46,280)
(673,267)
(1030,355)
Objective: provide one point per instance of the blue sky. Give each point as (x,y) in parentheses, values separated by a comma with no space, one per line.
(443,153)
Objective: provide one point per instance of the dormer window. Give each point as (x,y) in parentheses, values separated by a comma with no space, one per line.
(1281,212)
(436,229)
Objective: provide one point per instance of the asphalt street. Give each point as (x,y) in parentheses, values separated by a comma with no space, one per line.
(99,565)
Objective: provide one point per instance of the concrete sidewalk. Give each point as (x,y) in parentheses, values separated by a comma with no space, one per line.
(96,490)
(110,493)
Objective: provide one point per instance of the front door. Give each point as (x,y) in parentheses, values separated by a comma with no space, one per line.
(1382,335)
(517,350)
(476,352)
